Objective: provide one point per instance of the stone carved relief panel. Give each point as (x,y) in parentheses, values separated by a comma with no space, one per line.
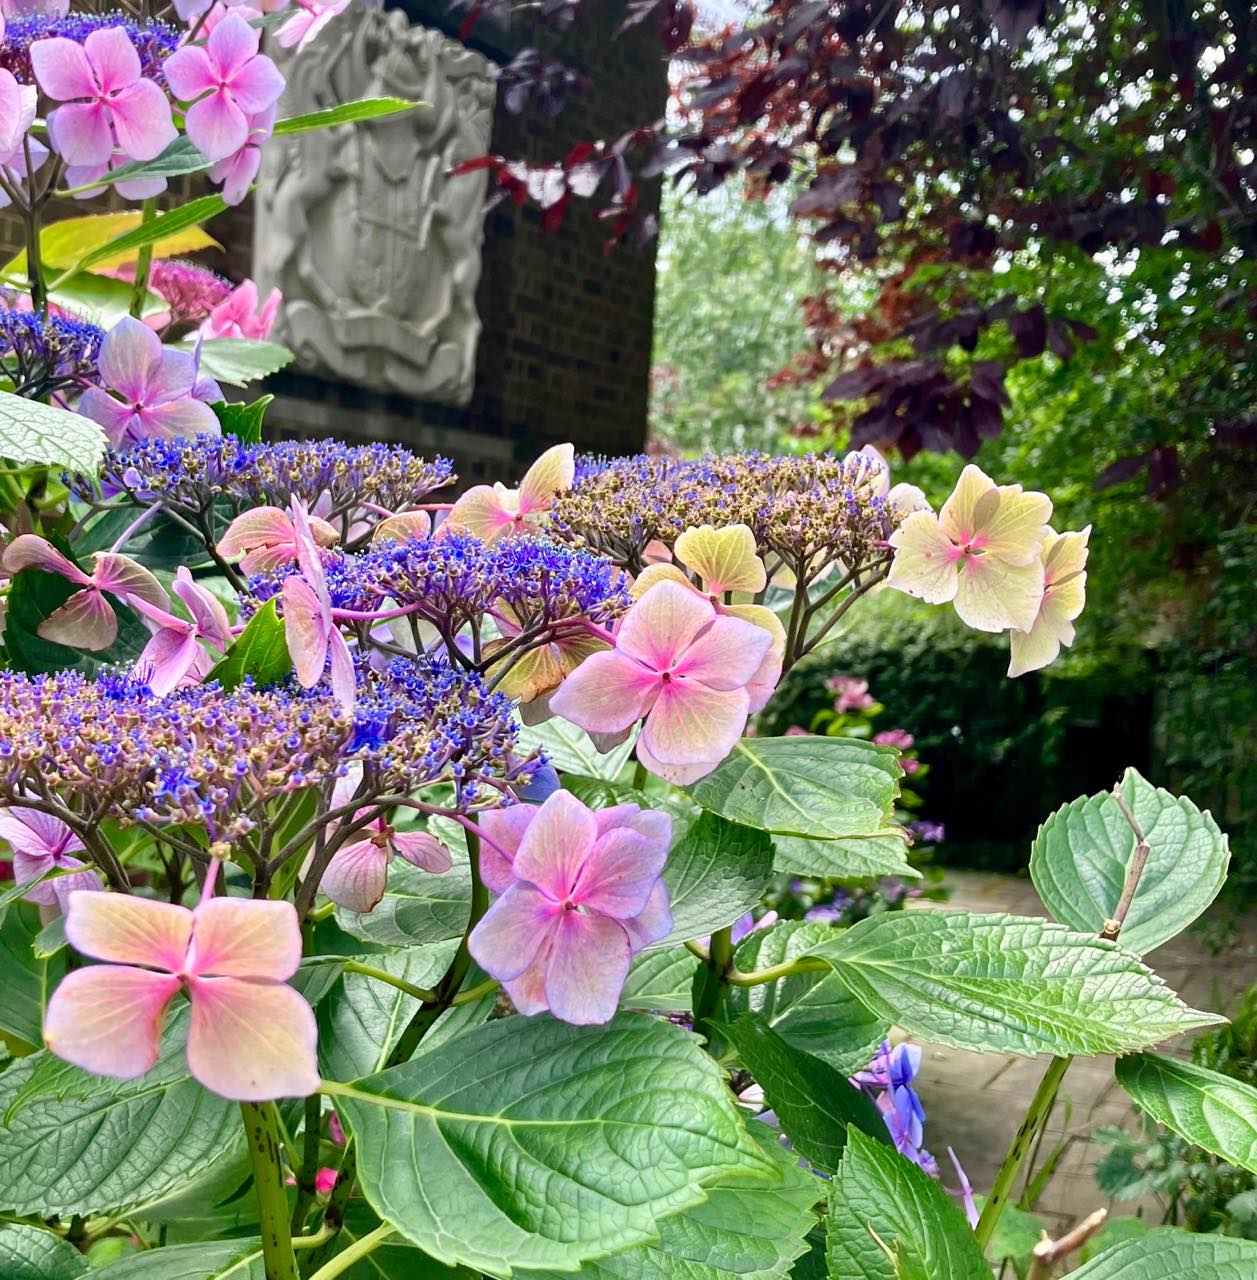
(376,249)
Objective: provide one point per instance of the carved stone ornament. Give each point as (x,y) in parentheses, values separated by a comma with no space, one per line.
(376,250)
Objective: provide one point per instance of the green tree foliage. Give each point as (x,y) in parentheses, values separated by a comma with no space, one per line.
(733,276)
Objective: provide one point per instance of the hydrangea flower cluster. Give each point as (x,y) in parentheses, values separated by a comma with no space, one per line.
(45,354)
(153,41)
(805,513)
(423,720)
(344,484)
(455,579)
(110,748)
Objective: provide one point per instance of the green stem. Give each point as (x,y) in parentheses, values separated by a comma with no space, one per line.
(759,977)
(334,1214)
(447,989)
(1001,1190)
(380,975)
(712,978)
(639,776)
(143,263)
(355,1253)
(34,259)
(262,1138)
(473,994)
(306,1175)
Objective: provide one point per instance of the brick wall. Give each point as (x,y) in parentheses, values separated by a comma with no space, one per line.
(565,348)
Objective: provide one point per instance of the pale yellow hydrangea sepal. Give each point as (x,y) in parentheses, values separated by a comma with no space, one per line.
(403,526)
(725,559)
(1002,521)
(655,573)
(1064,558)
(553,473)
(925,563)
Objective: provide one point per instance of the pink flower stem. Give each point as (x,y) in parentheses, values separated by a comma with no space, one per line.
(469,825)
(600,632)
(356,615)
(211,875)
(130,531)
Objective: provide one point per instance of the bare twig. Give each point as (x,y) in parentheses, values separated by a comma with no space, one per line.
(1048,1254)
(1134,870)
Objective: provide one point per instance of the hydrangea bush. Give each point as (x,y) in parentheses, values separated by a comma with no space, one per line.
(377,857)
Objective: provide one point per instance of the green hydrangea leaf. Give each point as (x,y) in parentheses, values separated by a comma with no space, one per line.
(362,1018)
(661,980)
(716,873)
(259,651)
(27,1253)
(813,1012)
(1079,858)
(28,981)
(743,1231)
(1169,1254)
(238,361)
(34,434)
(880,1201)
(1210,1110)
(346,113)
(1005,984)
(833,788)
(815,1104)
(95,1144)
(547,1145)
(208,1260)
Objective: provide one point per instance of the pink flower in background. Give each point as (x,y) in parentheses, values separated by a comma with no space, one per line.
(251,1036)
(903,741)
(40,844)
(325,1180)
(239,316)
(227,80)
(488,512)
(312,634)
(175,656)
(581,893)
(853,694)
(109,103)
(152,390)
(682,667)
(310,17)
(265,539)
(356,876)
(190,290)
(86,620)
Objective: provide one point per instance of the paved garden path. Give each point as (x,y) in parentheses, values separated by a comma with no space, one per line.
(974,1102)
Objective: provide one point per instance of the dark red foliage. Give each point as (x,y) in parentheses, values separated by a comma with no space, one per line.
(928,134)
